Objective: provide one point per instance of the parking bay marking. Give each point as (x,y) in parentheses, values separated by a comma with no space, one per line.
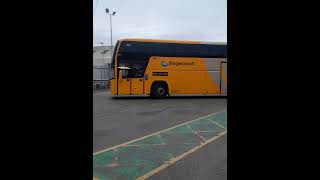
(148,155)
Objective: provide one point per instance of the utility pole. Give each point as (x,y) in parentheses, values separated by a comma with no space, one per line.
(111,14)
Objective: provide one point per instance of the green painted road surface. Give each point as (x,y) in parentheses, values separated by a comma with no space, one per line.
(133,160)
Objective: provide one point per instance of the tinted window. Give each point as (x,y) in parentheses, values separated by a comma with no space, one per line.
(131,53)
(173,49)
(137,70)
(125,73)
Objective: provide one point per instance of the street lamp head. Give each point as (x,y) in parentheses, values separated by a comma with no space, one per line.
(113,13)
(107,11)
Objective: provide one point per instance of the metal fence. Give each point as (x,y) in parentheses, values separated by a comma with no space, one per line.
(101,77)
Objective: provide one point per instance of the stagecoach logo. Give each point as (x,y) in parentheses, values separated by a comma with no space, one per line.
(164,64)
(173,63)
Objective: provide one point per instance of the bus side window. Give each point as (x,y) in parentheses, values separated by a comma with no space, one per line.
(137,70)
(125,73)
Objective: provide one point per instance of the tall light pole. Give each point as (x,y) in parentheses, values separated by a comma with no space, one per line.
(111,14)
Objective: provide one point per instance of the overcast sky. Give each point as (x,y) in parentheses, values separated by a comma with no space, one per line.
(203,20)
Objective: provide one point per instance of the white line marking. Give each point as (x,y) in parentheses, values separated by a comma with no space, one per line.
(218,124)
(173,160)
(196,133)
(123,144)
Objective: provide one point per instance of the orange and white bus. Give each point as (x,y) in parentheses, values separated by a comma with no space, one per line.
(166,67)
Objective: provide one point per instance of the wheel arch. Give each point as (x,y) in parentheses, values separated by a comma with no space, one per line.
(163,82)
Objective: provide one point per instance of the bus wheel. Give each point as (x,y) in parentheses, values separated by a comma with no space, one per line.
(159,90)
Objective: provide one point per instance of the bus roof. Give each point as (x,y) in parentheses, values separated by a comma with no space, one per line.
(173,41)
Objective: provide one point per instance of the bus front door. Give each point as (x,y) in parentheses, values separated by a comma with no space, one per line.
(124,83)
(137,73)
(136,85)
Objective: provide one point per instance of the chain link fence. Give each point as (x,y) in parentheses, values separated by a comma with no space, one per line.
(101,76)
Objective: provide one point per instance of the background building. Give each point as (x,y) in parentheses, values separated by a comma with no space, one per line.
(101,66)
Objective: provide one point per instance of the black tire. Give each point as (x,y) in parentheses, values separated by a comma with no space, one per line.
(159,90)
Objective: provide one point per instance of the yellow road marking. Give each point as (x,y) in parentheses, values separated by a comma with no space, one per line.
(126,143)
(174,160)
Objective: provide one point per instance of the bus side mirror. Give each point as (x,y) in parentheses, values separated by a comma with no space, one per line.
(120,74)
